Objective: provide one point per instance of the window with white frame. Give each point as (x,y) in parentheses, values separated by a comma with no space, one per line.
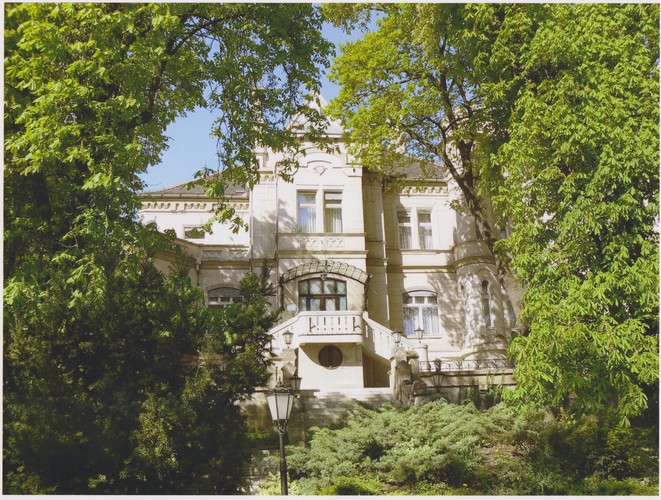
(307,211)
(332,212)
(319,210)
(404,224)
(424,229)
(415,229)
(421,311)
(223,296)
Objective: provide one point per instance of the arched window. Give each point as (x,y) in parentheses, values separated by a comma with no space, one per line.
(223,296)
(421,311)
(486,302)
(322,294)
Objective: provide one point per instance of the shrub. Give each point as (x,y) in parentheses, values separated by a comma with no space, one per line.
(441,448)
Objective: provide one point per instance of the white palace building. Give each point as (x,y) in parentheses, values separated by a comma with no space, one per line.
(363,267)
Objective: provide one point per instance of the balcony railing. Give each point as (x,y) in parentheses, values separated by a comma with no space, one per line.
(332,323)
(337,326)
(465,365)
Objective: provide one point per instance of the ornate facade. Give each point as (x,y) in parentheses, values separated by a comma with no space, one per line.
(356,259)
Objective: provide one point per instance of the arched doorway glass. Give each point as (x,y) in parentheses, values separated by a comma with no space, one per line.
(322,294)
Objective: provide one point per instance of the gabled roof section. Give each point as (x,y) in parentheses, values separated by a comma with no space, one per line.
(196,191)
(317,102)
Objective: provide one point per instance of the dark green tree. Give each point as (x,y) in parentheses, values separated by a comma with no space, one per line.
(104,388)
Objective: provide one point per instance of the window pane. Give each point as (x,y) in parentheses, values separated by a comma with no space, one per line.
(410,315)
(405,238)
(302,303)
(341,287)
(303,287)
(223,296)
(330,304)
(315,305)
(424,234)
(307,212)
(404,221)
(315,286)
(333,220)
(333,212)
(403,217)
(430,320)
(343,303)
(329,286)
(424,230)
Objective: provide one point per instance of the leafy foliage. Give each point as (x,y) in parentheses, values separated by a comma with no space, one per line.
(440,448)
(133,393)
(551,113)
(582,192)
(103,391)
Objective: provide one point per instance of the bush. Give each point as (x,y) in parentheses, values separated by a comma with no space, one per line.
(440,448)
(354,486)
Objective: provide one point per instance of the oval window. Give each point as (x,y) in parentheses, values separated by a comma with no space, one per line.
(330,357)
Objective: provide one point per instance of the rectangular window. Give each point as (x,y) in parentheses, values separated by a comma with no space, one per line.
(333,212)
(421,311)
(424,230)
(404,222)
(307,212)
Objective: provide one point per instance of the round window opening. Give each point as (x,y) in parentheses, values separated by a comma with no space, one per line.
(330,357)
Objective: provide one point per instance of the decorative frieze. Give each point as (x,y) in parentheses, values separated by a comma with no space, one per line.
(225,254)
(425,190)
(321,243)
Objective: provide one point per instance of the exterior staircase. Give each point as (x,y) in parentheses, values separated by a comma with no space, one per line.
(323,407)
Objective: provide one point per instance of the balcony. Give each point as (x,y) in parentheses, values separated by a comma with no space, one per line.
(320,327)
(337,327)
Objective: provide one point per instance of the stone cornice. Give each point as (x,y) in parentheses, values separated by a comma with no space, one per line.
(192,206)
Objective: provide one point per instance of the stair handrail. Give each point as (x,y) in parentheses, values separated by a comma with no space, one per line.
(385,335)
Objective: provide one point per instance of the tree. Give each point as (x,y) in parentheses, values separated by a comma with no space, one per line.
(98,395)
(581,188)
(551,113)
(409,93)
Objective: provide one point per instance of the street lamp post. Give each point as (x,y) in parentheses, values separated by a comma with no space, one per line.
(280,401)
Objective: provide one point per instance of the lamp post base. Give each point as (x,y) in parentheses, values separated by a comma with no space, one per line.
(283,464)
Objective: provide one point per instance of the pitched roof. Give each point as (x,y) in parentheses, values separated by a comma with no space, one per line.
(195,191)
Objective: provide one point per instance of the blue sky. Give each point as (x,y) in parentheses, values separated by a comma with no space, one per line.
(190,144)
